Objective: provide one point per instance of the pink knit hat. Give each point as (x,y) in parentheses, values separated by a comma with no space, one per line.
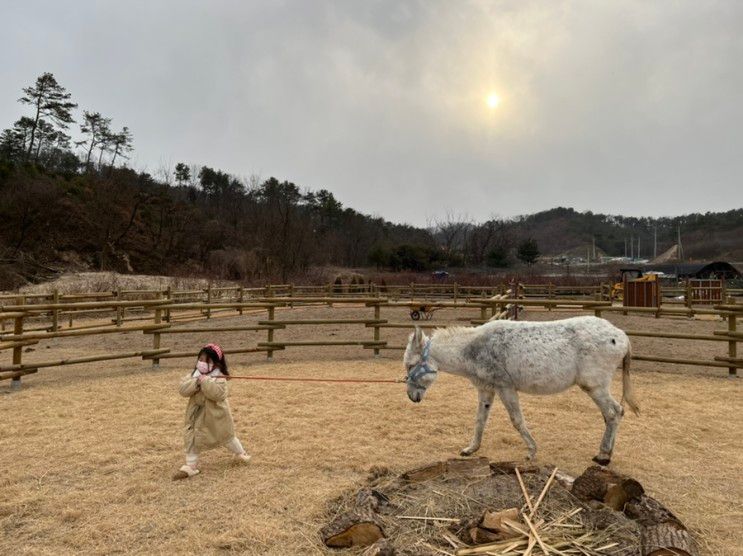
(216,349)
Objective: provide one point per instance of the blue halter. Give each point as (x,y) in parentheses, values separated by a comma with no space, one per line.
(422,367)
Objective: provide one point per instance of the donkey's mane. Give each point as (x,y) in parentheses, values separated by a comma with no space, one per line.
(450,331)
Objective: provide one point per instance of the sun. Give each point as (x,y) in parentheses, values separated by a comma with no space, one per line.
(492,100)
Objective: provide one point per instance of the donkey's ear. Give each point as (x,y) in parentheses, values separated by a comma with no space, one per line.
(418,337)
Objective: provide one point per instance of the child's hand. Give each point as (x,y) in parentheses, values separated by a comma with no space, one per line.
(202,378)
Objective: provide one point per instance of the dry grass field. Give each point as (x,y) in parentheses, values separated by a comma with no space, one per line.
(87,452)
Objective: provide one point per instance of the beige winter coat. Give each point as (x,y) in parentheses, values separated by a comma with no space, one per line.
(208,422)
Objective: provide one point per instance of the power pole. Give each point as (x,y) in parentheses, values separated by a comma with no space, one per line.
(680,248)
(638,247)
(632,247)
(655,242)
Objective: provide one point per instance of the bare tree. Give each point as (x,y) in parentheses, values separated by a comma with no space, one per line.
(452,232)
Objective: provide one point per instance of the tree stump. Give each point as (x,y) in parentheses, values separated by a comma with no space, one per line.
(355,528)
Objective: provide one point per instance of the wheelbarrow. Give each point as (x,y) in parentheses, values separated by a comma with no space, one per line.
(424,312)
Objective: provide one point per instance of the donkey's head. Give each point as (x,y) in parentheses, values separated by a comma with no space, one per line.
(421,371)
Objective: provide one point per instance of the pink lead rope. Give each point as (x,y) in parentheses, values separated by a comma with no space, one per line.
(293,379)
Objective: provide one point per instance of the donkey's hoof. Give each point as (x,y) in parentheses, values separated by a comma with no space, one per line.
(468,451)
(531,456)
(602,460)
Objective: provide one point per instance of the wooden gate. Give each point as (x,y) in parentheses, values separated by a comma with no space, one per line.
(705,292)
(641,294)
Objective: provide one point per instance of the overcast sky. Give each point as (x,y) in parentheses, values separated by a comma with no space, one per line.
(622,107)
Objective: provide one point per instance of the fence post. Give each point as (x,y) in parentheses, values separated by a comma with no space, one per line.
(687,300)
(377,313)
(156,334)
(169,297)
(240,298)
(209,300)
(15,384)
(269,354)
(732,344)
(55,312)
(119,309)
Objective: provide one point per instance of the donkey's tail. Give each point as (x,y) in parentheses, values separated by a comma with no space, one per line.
(628,394)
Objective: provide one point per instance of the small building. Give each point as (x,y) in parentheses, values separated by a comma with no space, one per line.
(718,269)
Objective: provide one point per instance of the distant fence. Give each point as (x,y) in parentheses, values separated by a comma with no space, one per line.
(35,320)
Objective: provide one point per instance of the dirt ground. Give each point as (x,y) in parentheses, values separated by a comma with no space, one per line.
(87,452)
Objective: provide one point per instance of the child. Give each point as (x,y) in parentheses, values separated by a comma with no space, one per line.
(208,419)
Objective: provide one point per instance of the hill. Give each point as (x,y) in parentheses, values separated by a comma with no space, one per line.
(65,209)
(703,236)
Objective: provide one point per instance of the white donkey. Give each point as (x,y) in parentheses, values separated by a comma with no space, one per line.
(507,357)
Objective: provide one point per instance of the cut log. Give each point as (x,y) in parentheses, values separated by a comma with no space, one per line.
(667,539)
(648,511)
(455,466)
(469,466)
(614,490)
(494,520)
(382,547)
(478,535)
(356,528)
(617,495)
(593,483)
(425,473)
(509,467)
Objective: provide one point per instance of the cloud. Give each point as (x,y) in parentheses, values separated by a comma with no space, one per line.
(619,107)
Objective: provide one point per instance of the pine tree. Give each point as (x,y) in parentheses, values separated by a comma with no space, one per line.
(97,128)
(528,251)
(50,101)
(120,144)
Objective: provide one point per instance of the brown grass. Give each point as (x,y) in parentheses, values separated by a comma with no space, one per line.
(87,452)
(76,282)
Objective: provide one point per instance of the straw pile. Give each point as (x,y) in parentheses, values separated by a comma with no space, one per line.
(474,507)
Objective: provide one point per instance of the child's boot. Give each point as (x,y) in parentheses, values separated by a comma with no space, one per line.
(185,472)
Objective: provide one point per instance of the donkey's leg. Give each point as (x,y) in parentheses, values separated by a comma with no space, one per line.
(612,412)
(483,411)
(510,399)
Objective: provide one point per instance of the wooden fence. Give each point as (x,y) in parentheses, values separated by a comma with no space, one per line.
(162,315)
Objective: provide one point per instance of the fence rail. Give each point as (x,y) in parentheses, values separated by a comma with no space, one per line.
(164,312)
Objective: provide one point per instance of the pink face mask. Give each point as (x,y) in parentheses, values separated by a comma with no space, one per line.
(203,367)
